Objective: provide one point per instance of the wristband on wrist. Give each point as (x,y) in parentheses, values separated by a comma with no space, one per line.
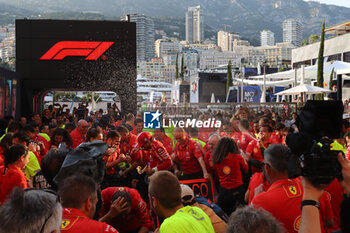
(309,202)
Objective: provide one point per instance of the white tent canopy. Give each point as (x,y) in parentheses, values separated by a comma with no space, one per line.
(310,74)
(339,67)
(304,88)
(268,83)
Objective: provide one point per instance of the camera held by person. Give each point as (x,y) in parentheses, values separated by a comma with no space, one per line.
(319,124)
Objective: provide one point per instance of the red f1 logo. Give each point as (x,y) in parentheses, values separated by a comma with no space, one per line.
(92,50)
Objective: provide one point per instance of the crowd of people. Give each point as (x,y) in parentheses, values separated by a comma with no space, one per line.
(141,185)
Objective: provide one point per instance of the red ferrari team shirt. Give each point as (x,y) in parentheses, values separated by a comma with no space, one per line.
(188,155)
(275,138)
(208,159)
(47,144)
(157,156)
(204,134)
(235,136)
(283,201)
(108,159)
(11,178)
(230,171)
(138,217)
(167,143)
(2,157)
(336,195)
(127,146)
(246,138)
(256,180)
(77,138)
(75,221)
(347,153)
(255,151)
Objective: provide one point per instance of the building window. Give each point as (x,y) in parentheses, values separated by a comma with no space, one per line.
(347,57)
(336,57)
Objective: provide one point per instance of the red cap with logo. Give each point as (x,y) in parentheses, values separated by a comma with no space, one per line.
(142,138)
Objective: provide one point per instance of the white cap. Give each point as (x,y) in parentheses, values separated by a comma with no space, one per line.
(187,194)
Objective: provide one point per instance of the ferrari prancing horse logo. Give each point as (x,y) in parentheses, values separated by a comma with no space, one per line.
(65,223)
(292,190)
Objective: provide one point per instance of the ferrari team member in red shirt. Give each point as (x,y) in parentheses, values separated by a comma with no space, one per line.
(124,209)
(11,174)
(5,143)
(255,148)
(39,140)
(204,134)
(277,135)
(188,157)
(228,130)
(284,197)
(246,137)
(138,126)
(160,135)
(78,135)
(258,184)
(128,143)
(78,198)
(208,156)
(336,195)
(154,154)
(230,167)
(112,158)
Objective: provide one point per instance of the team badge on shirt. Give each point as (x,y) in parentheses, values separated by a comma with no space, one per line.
(226,170)
(65,223)
(292,190)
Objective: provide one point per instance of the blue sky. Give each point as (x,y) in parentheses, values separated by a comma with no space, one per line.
(345,3)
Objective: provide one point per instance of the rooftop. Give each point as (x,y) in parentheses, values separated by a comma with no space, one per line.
(339,29)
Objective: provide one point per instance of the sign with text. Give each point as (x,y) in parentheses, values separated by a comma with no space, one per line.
(202,187)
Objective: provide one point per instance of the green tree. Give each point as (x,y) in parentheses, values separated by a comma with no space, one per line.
(304,42)
(182,73)
(229,77)
(89,95)
(331,80)
(320,79)
(177,67)
(282,68)
(313,39)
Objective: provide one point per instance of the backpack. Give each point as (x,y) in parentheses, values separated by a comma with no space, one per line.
(218,211)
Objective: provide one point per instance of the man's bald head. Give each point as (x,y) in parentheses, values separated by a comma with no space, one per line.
(82,122)
(180,135)
(213,140)
(83,126)
(179,130)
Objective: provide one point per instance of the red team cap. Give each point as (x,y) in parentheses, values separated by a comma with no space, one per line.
(142,138)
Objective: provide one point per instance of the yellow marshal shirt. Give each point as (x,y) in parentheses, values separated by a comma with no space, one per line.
(188,219)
